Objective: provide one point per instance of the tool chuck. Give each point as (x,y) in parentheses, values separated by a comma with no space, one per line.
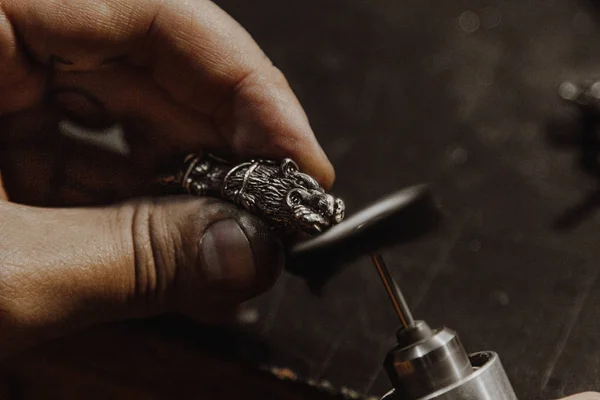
(429,364)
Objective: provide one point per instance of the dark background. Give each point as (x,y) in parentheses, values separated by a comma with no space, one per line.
(461,94)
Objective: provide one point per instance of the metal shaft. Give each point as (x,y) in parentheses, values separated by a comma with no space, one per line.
(393,291)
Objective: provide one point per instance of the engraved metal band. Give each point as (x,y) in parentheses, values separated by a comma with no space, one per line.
(275,191)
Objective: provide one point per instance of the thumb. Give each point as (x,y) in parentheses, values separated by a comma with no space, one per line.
(65,269)
(584,396)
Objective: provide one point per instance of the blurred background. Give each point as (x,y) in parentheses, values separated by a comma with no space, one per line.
(461,94)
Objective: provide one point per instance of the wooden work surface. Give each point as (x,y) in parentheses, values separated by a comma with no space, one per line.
(460,94)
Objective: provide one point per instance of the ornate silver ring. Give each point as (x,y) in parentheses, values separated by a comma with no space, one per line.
(277,192)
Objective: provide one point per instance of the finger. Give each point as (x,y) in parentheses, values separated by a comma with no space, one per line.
(46,167)
(3,195)
(21,83)
(43,167)
(130,97)
(584,396)
(194,51)
(72,173)
(65,269)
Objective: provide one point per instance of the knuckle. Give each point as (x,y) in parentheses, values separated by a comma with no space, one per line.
(277,75)
(262,77)
(144,242)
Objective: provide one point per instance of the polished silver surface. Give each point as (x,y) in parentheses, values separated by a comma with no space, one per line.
(427,362)
(275,191)
(487,381)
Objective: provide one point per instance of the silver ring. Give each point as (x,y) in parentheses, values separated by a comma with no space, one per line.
(276,192)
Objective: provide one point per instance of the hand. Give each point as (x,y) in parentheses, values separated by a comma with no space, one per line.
(584,396)
(178,76)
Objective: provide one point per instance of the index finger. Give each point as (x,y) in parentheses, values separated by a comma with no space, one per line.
(194,51)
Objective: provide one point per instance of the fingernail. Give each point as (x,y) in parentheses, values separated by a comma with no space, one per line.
(234,257)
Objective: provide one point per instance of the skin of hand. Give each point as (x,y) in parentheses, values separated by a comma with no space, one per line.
(83,237)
